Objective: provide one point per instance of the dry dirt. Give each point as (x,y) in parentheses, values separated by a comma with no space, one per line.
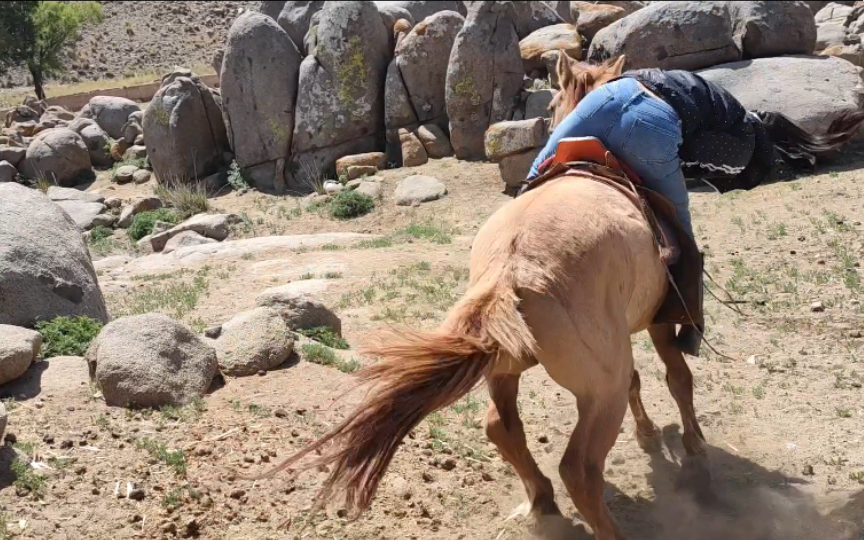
(784,420)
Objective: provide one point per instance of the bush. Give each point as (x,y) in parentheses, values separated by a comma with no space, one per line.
(143,223)
(350,204)
(186,199)
(100,233)
(67,336)
(236,178)
(326,336)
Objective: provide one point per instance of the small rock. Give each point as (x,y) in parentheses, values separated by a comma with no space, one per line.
(817,307)
(427,477)
(19,348)
(238,494)
(332,188)
(124,174)
(855,334)
(435,141)
(65,445)
(10,438)
(808,471)
(48,439)
(370,159)
(359,171)
(114,202)
(543,439)
(449,464)
(280,413)
(213,332)
(191,528)
(419,189)
(141,176)
(372,189)
(185,239)
(413,152)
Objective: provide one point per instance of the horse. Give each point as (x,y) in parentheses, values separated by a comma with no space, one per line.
(560,277)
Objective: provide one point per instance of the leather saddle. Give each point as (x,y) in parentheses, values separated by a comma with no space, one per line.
(589,158)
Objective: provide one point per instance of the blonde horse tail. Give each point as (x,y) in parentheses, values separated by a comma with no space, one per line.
(418,373)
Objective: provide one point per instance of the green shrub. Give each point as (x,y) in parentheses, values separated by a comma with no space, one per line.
(326,336)
(100,233)
(236,178)
(143,223)
(187,199)
(67,336)
(350,204)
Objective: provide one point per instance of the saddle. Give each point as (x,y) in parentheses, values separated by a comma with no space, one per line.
(589,158)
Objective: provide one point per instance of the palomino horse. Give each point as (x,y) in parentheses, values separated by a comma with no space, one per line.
(561,276)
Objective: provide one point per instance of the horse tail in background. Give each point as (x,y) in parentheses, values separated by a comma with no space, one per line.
(800,148)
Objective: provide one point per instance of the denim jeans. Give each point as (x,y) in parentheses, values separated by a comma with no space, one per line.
(639,129)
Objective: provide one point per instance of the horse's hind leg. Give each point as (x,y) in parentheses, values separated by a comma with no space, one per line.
(504,429)
(695,470)
(600,415)
(647,433)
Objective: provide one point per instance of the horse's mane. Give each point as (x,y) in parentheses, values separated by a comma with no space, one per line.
(576,79)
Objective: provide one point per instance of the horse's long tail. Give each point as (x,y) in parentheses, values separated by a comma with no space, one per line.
(417,374)
(799,148)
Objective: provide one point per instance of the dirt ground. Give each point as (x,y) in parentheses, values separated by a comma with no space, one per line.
(784,419)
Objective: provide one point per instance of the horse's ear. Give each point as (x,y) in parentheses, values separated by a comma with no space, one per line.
(618,65)
(564,69)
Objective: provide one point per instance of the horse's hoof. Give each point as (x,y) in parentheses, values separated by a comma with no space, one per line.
(521,511)
(649,442)
(540,508)
(695,477)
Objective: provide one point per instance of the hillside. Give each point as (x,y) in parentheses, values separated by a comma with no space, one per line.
(143,37)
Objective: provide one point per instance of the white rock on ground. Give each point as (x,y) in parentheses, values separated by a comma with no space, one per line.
(124,174)
(419,189)
(185,239)
(127,215)
(150,361)
(19,348)
(215,226)
(253,341)
(299,309)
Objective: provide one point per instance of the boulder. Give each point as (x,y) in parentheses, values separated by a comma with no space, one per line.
(764,29)
(670,35)
(19,347)
(59,154)
(21,113)
(45,266)
(259,89)
(135,152)
(13,154)
(372,189)
(551,38)
(4,420)
(531,16)
(184,239)
(370,159)
(340,105)
(107,221)
(514,168)
(141,176)
(398,110)
(58,113)
(136,207)
(295,18)
(359,171)
(507,138)
(422,59)
(253,341)
(299,310)
(84,208)
(124,174)
(413,152)
(7,171)
(811,91)
(150,361)
(595,17)
(215,226)
(131,131)
(434,140)
(186,136)
(420,10)
(98,144)
(111,113)
(419,189)
(271,8)
(484,76)
(537,104)
(831,27)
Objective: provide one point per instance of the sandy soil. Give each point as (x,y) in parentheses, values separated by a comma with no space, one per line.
(784,420)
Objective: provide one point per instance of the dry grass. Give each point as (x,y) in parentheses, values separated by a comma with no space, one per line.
(15,96)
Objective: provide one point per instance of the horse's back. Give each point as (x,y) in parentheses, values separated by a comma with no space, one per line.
(579,241)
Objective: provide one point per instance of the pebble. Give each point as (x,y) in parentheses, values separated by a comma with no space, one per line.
(543,439)
(427,477)
(137,494)
(81,469)
(855,334)
(280,413)
(48,439)
(449,464)
(238,494)
(808,470)
(10,438)
(817,307)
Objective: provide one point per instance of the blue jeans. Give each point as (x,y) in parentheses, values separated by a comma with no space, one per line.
(639,129)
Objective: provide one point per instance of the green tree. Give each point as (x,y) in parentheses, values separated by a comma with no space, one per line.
(16,33)
(45,34)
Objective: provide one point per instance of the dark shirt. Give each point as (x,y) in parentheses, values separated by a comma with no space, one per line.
(701,104)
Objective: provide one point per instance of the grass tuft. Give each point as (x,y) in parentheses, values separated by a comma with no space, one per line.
(67,336)
(326,336)
(143,223)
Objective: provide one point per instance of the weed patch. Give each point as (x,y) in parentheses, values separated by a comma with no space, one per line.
(143,223)
(67,336)
(175,459)
(326,336)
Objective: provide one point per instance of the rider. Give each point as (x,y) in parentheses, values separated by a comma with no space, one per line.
(658,122)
